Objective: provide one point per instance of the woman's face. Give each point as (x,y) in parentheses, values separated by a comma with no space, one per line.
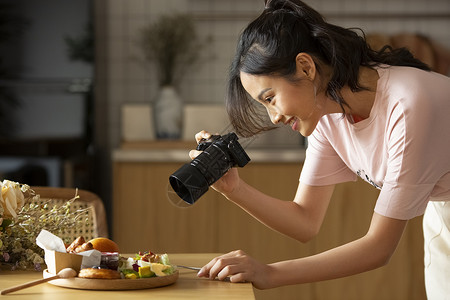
(293,104)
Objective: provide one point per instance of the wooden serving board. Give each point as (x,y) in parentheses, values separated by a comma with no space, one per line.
(113,284)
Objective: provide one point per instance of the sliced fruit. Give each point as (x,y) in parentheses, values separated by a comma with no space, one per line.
(159,269)
(145,272)
(131,276)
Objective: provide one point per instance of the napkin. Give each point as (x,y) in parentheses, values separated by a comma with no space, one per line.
(48,241)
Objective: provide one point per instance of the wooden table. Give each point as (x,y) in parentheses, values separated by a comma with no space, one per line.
(188,286)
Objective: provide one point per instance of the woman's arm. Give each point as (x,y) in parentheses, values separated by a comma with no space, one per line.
(369,252)
(300,219)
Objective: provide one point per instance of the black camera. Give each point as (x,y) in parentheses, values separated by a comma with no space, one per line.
(220,153)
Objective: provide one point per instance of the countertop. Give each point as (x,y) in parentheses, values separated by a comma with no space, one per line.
(188,285)
(179,152)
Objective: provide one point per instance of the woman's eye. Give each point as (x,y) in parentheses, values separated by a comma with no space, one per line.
(268,99)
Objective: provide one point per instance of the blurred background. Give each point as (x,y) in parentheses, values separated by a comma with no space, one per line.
(68,68)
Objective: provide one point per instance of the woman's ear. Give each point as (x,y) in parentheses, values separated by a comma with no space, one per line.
(305,65)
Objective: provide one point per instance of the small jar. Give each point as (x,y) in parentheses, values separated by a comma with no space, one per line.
(110,260)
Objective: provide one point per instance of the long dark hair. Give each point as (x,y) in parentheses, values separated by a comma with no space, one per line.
(270,43)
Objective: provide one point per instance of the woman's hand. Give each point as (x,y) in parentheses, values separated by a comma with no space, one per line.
(238,267)
(230,181)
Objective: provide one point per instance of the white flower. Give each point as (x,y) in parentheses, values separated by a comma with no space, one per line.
(2,210)
(11,198)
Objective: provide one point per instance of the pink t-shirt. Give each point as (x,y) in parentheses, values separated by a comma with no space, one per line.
(403,148)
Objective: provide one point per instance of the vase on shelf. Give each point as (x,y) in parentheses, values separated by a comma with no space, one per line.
(168,114)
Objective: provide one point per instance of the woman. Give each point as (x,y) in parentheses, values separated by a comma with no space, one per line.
(380,115)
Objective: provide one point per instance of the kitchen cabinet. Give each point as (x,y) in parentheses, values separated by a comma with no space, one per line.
(144,219)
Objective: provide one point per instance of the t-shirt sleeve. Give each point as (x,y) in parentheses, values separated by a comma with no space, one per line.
(323,166)
(388,203)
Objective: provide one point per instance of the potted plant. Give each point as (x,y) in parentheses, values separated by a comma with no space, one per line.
(172,44)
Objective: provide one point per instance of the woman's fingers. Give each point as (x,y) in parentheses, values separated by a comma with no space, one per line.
(238,267)
(235,272)
(240,277)
(194,153)
(198,137)
(205,271)
(224,266)
(202,135)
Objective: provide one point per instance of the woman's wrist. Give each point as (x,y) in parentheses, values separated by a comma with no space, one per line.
(234,194)
(230,195)
(273,276)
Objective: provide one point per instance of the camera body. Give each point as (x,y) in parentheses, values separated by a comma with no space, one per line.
(220,153)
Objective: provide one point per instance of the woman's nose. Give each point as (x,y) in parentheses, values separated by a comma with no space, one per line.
(274,117)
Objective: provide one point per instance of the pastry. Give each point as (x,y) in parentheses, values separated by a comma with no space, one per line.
(103,244)
(99,273)
(84,247)
(77,242)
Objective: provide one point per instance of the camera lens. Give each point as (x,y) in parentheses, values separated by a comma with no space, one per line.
(188,183)
(192,180)
(219,154)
